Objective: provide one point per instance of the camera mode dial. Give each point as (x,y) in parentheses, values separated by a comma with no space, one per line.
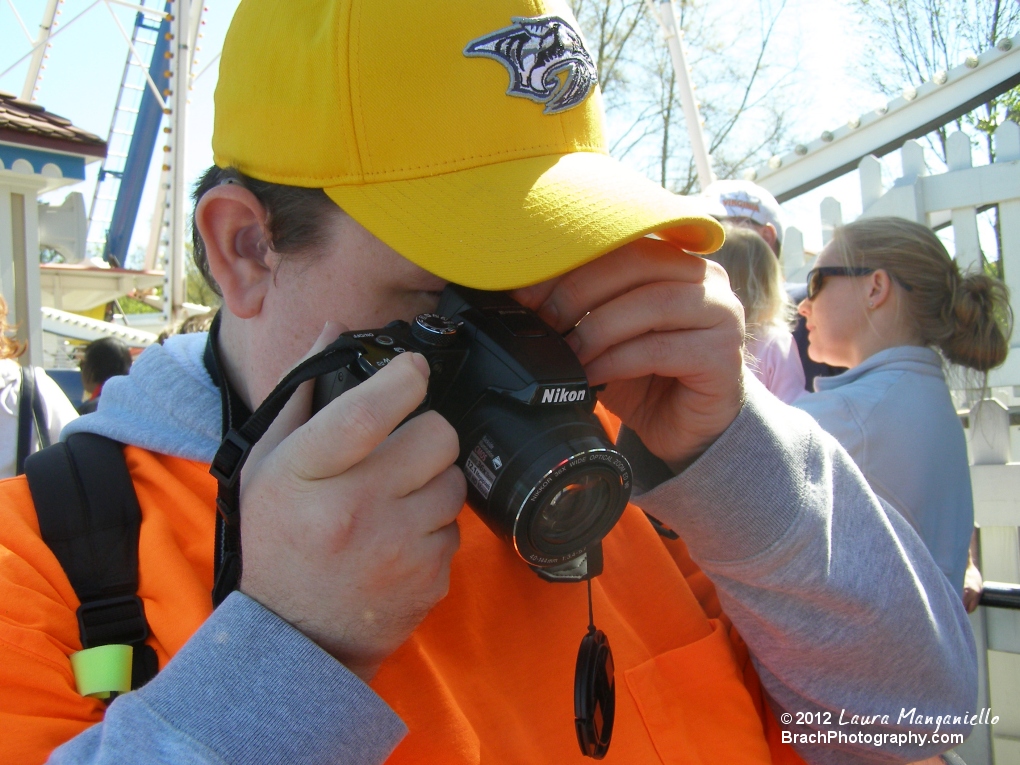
(434,329)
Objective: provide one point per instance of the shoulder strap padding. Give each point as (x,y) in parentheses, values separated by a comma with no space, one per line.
(88,513)
(90,518)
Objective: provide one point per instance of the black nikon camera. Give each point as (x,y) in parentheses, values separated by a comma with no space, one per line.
(541,471)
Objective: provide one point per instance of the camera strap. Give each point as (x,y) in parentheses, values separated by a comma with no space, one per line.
(238,441)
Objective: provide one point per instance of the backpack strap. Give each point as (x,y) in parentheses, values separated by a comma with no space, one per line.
(26,413)
(30,410)
(89,517)
(42,433)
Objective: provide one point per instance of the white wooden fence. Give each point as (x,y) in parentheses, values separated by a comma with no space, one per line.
(955,198)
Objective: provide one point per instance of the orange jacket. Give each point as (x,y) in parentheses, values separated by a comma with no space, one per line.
(487,677)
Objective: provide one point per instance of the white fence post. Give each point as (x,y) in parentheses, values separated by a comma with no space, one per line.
(794,258)
(870,172)
(965,232)
(832,218)
(912,159)
(989,433)
(905,199)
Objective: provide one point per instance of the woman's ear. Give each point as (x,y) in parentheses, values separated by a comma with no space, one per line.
(771,236)
(879,288)
(232,223)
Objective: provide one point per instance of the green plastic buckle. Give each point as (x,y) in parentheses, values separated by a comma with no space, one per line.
(103,670)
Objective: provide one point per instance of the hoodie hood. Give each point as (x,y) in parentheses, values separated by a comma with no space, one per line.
(168,403)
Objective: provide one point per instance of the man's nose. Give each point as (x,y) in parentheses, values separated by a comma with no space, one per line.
(804,309)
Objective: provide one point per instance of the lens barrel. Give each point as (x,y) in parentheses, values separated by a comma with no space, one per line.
(545,479)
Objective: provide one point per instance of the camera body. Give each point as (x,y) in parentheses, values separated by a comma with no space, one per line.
(541,472)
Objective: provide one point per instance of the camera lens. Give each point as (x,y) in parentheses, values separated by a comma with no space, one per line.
(571,512)
(545,479)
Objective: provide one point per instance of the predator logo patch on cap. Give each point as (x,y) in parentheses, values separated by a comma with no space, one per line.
(546,59)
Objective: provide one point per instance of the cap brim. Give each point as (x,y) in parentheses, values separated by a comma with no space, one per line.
(519,222)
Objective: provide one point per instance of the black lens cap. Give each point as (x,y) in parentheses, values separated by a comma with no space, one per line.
(594,695)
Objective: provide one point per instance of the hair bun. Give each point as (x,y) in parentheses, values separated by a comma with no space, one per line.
(981,322)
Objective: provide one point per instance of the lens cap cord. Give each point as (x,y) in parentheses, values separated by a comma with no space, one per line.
(237,445)
(594,690)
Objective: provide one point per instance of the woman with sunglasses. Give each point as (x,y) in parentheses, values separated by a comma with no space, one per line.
(888,302)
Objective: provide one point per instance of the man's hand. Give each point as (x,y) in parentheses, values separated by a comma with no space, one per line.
(973,586)
(348,526)
(666,333)
(973,582)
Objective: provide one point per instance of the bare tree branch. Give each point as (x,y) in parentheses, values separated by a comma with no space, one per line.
(916,38)
(742,89)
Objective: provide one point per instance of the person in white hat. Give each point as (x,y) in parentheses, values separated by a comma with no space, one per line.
(745,203)
(748,205)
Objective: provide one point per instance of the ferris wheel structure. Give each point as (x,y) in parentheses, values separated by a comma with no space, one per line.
(152,100)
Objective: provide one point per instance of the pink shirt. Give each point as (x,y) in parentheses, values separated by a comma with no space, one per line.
(773,358)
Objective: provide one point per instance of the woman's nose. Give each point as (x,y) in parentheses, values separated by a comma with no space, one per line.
(804,309)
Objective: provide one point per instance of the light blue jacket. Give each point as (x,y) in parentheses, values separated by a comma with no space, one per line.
(894,415)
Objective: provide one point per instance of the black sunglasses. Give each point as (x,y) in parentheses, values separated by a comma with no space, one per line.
(816,277)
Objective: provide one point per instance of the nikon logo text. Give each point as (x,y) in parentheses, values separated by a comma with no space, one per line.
(562,395)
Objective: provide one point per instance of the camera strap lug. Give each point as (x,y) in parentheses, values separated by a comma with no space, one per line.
(583,568)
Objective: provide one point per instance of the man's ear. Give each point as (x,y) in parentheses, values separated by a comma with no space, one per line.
(232,223)
(879,288)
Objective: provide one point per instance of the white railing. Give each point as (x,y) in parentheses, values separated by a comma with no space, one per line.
(943,98)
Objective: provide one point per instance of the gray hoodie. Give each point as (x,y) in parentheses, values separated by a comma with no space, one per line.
(839,601)
(894,416)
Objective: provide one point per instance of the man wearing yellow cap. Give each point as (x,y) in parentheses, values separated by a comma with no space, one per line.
(368,153)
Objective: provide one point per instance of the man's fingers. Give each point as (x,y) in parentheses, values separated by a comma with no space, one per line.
(417,451)
(659,307)
(535,296)
(347,430)
(296,412)
(686,356)
(436,504)
(596,283)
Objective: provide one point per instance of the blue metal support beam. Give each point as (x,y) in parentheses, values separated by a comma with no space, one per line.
(143,143)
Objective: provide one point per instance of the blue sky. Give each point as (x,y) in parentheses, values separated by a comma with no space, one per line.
(85,62)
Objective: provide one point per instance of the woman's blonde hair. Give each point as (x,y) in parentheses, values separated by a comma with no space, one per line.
(966,316)
(755,278)
(9,347)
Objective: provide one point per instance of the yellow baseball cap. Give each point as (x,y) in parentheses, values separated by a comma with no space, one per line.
(466,135)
